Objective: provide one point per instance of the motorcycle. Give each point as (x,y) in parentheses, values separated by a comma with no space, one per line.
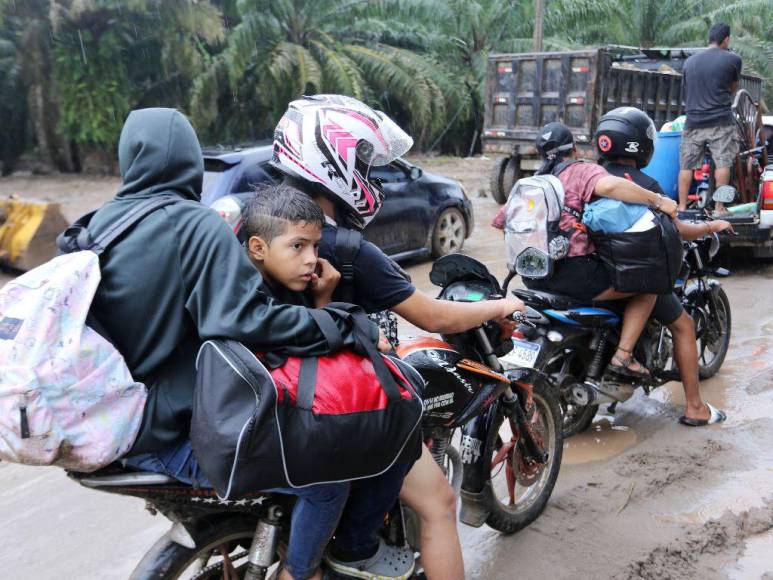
(510,422)
(572,342)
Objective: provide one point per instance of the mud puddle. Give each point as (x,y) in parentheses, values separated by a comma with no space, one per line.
(603,440)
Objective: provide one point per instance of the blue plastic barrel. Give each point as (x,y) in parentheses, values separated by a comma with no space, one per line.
(664,166)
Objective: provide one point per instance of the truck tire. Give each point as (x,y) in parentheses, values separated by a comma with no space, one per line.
(511,175)
(496,185)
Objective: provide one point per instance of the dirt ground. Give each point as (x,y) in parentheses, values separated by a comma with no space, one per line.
(638,496)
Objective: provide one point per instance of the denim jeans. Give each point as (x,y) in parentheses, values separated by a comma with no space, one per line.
(316,513)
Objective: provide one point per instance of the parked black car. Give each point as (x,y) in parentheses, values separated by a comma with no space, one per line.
(423,213)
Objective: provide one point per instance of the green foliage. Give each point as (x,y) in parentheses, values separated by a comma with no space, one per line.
(233,65)
(93,86)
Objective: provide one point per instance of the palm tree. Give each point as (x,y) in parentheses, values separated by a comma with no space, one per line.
(114,56)
(29,29)
(282,49)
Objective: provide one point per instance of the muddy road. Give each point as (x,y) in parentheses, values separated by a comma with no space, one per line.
(638,496)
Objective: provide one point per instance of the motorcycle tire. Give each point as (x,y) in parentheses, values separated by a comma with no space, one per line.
(580,420)
(507,518)
(169,560)
(707,369)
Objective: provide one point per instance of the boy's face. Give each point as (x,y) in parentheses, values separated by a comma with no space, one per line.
(291,257)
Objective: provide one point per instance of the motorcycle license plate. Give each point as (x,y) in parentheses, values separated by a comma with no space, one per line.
(524,354)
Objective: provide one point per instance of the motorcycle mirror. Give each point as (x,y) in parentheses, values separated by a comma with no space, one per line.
(724,194)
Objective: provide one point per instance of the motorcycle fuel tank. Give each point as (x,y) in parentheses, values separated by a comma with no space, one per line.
(453,382)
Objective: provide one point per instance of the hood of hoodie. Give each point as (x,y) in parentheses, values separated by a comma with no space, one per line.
(158,151)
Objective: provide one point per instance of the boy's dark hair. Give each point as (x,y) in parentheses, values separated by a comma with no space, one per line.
(274,206)
(719,32)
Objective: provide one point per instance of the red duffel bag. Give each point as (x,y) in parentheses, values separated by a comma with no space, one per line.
(308,420)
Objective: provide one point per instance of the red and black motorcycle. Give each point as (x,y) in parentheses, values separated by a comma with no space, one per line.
(506,423)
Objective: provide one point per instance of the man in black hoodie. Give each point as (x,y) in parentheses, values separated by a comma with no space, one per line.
(180,277)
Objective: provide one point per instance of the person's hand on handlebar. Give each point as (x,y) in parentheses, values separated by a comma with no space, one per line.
(506,321)
(717,226)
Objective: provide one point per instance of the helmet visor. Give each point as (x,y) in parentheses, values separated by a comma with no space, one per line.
(392,142)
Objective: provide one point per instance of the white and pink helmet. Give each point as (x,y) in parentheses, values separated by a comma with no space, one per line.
(333,140)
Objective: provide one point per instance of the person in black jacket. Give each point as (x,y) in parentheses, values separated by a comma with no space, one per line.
(178,278)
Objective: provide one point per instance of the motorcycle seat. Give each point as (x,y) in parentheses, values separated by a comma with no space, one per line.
(113,476)
(552,300)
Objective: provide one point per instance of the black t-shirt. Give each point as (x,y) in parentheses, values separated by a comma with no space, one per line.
(377,285)
(638,177)
(707,77)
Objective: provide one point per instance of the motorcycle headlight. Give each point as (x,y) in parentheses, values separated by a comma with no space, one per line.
(714,245)
(532,263)
(230,209)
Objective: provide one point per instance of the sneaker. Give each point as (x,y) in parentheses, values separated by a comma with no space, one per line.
(388,563)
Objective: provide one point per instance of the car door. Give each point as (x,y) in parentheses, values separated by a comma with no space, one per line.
(398,226)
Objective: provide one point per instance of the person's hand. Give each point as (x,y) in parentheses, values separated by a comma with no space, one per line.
(669,207)
(510,305)
(720,226)
(324,283)
(383,344)
(505,322)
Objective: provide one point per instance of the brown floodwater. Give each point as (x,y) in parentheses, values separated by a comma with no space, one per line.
(603,440)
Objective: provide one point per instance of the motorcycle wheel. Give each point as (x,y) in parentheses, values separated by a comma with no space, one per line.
(516,494)
(224,543)
(564,370)
(713,331)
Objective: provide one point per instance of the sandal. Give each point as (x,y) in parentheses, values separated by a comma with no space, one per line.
(623,366)
(716,416)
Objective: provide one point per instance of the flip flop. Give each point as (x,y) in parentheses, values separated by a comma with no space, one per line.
(717,416)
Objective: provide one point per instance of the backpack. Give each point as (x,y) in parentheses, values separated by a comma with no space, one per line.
(262,421)
(67,397)
(533,236)
(347,246)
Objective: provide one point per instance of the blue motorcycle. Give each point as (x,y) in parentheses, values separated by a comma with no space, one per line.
(572,342)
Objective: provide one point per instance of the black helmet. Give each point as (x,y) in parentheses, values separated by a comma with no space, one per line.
(554,139)
(626,132)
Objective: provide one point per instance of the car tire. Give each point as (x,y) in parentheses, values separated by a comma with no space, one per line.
(449,232)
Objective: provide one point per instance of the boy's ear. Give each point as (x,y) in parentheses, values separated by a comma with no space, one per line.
(257,248)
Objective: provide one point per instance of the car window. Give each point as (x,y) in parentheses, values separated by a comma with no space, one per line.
(251,176)
(388,173)
(217,173)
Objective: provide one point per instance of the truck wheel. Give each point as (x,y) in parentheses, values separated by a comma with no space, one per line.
(495,184)
(511,175)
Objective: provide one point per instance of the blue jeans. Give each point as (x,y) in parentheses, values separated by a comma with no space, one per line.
(316,513)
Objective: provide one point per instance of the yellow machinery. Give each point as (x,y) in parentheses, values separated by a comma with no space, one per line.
(28,230)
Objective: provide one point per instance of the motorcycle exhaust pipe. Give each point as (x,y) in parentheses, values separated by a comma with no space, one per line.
(590,393)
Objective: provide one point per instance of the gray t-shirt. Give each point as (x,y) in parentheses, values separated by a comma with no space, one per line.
(707,77)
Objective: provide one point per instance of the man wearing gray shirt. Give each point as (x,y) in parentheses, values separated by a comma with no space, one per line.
(710,78)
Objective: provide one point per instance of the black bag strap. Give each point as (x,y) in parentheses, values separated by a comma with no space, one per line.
(558,169)
(328,327)
(77,237)
(307,377)
(347,246)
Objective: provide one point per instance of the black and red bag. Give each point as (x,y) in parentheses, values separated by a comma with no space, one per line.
(311,420)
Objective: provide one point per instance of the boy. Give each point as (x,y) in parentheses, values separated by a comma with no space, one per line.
(284,230)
